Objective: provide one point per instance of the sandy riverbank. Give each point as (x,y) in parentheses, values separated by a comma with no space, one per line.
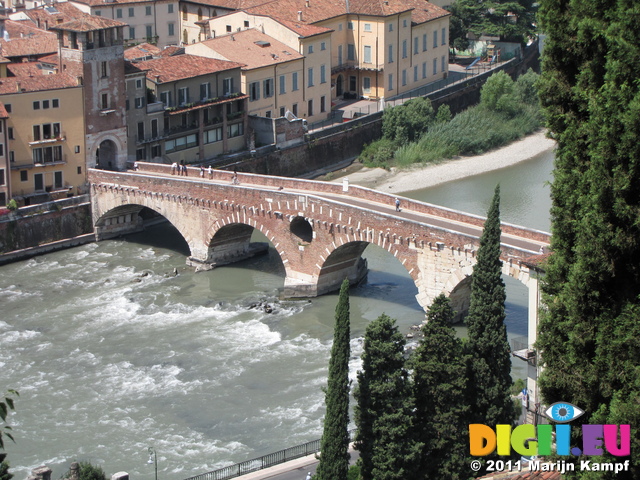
(404,180)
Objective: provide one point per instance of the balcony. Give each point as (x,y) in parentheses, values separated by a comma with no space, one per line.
(155,107)
(205,103)
(46,139)
(355,65)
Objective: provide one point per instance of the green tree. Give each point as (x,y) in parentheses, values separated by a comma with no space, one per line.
(5,474)
(439,386)
(334,447)
(591,96)
(490,366)
(407,122)
(384,409)
(498,93)
(88,471)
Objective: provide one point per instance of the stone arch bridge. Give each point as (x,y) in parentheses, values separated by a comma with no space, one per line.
(319,229)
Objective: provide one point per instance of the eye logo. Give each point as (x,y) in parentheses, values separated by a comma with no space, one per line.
(563,412)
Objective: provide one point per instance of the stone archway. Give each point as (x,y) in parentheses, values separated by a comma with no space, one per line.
(107,155)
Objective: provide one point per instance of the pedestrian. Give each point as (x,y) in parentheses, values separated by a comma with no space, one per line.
(210,172)
(201,171)
(308,476)
(174,166)
(135,166)
(184,170)
(181,168)
(234,179)
(397,204)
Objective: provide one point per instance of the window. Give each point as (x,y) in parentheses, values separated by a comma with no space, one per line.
(350,25)
(149,31)
(404,77)
(310,107)
(118,13)
(24,175)
(310,49)
(310,77)
(353,83)
(366,84)
(424,42)
(367,27)
(131,11)
(415,73)
(435,39)
(7,107)
(79,170)
(390,53)
(184,12)
(391,27)
(154,128)
(55,103)
(140,154)
(57,179)
(404,49)
(36,133)
(339,27)
(294,109)
(415,45)
(283,84)
(47,155)
(170,8)
(424,69)
(139,102)
(138,83)
(435,66)
(98,13)
(165,97)
(77,149)
(323,74)
(267,87)
(181,143)
(339,54)
(294,81)
(36,105)
(351,52)
(10,133)
(38,181)
(282,111)
(103,69)
(444,36)
(235,130)
(367,54)
(205,91)
(199,14)
(227,86)
(172,29)
(246,24)
(323,45)
(390,81)
(156,151)
(132,33)
(212,136)
(1,177)
(228,28)
(2,153)
(140,131)
(404,23)
(183,95)
(254,91)
(268,114)
(443,64)
(323,106)
(104,101)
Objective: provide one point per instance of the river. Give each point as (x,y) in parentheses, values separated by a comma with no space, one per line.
(111,353)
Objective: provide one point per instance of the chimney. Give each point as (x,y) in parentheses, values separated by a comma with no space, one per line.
(18,87)
(308,3)
(299,15)
(157,79)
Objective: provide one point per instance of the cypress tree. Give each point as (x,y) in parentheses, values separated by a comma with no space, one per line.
(384,409)
(334,447)
(439,381)
(588,332)
(490,367)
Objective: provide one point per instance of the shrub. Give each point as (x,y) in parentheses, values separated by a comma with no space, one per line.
(12,205)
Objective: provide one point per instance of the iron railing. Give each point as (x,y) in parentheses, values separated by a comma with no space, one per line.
(266,461)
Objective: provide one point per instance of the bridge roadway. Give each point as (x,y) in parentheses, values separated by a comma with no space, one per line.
(520,243)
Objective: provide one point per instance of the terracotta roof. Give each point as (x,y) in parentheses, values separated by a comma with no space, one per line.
(37,83)
(319,10)
(101,3)
(253,48)
(303,29)
(24,69)
(131,68)
(51,15)
(179,67)
(171,50)
(3,111)
(229,4)
(141,52)
(27,40)
(88,23)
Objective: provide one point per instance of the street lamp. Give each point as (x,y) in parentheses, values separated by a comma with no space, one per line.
(153,459)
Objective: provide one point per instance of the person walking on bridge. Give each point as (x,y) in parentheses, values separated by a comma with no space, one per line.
(397,204)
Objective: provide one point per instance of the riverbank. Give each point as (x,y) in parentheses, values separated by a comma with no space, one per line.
(415,178)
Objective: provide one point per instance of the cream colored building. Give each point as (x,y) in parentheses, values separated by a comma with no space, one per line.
(378,49)
(45,137)
(275,77)
(152,21)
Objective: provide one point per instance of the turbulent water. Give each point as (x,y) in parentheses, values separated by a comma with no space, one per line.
(112,353)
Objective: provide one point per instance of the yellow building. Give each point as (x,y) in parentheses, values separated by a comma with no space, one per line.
(45,137)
